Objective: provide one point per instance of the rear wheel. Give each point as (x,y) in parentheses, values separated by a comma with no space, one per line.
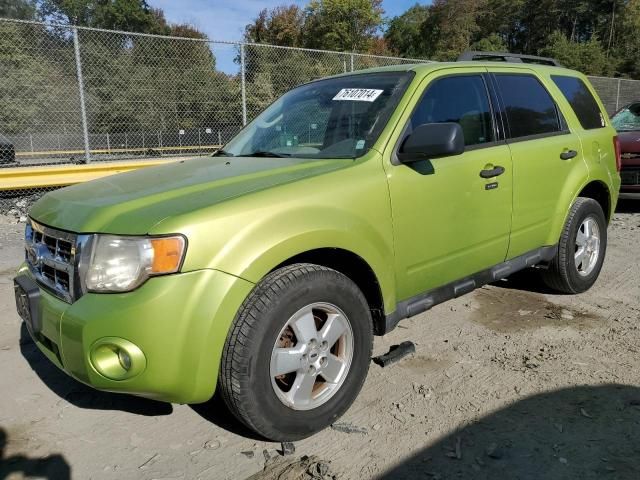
(298,352)
(581,249)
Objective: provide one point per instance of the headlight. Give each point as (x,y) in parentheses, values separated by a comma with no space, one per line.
(120,264)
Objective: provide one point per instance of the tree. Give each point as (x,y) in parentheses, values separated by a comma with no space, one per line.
(127,15)
(450,27)
(281,25)
(342,25)
(491,43)
(627,39)
(19,9)
(588,57)
(403,35)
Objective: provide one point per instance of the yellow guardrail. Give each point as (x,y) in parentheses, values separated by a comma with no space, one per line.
(186,148)
(22,178)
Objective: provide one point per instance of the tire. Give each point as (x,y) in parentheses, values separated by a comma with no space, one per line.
(565,274)
(266,319)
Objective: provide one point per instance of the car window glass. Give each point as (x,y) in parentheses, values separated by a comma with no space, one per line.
(529,108)
(628,118)
(338,117)
(580,98)
(460,99)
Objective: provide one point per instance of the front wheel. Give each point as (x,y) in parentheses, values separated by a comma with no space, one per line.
(581,249)
(297,353)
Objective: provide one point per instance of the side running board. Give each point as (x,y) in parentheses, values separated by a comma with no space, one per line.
(425,301)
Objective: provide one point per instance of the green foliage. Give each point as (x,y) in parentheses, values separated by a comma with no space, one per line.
(588,57)
(492,43)
(282,25)
(342,25)
(404,36)
(595,36)
(128,15)
(20,9)
(450,27)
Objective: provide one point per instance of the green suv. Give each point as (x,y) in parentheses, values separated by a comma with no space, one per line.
(350,203)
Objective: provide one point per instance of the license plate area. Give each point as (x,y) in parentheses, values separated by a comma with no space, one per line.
(27,296)
(630,177)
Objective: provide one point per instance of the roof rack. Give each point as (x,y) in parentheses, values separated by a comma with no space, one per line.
(508,57)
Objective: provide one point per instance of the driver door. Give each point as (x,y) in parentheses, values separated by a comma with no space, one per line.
(448,221)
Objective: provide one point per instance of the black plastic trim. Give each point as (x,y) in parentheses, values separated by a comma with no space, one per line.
(507,57)
(32,292)
(424,301)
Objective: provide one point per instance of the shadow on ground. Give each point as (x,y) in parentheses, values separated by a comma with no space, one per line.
(52,467)
(82,396)
(528,280)
(215,411)
(580,432)
(628,205)
(79,394)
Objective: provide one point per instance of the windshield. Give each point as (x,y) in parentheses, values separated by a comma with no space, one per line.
(627,119)
(334,118)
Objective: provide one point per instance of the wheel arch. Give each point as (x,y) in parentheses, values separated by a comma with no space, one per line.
(598,191)
(353,266)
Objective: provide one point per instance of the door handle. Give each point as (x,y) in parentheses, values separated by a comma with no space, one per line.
(493,172)
(568,154)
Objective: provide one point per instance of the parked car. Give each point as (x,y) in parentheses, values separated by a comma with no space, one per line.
(263,272)
(7,151)
(627,122)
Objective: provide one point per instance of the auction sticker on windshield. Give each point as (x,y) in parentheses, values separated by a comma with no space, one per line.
(358,94)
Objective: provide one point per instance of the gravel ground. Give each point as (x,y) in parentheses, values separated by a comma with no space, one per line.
(510,381)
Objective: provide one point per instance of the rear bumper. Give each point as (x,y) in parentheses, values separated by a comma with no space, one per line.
(179,323)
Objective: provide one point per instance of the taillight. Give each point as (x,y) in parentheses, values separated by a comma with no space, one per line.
(616,147)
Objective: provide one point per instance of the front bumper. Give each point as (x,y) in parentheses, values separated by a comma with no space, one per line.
(179,323)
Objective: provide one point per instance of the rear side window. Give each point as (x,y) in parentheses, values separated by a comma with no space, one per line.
(461,99)
(529,108)
(580,98)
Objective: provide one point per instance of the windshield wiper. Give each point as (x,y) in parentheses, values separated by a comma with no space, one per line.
(266,153)
(222,153)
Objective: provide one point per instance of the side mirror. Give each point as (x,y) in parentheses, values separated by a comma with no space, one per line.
(432,140)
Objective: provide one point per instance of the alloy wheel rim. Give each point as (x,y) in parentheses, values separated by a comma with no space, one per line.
(587,249)
(311,356)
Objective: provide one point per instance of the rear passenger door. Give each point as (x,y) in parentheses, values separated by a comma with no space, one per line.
(544,155)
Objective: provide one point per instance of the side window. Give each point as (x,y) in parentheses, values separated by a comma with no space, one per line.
(529,107)
(460,99)
(581,100)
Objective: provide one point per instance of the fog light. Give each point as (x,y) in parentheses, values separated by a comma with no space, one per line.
(117,358)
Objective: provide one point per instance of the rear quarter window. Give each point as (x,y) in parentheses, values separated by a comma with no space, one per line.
(581,100)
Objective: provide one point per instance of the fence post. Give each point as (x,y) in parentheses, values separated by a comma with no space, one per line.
(83,110)
(618,96)
(352,62)
(242,82)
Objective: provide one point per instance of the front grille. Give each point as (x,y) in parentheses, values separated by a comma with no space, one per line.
(51,256)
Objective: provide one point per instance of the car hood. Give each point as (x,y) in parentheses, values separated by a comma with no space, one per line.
(133,202)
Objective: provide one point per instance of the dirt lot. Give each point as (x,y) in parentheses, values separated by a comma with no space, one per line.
(508,382)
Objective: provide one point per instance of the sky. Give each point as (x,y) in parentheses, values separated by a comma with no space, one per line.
(226,19)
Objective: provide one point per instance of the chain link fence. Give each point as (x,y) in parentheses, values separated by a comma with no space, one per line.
(80,95)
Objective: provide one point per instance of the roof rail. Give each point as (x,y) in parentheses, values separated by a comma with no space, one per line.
(508,57)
